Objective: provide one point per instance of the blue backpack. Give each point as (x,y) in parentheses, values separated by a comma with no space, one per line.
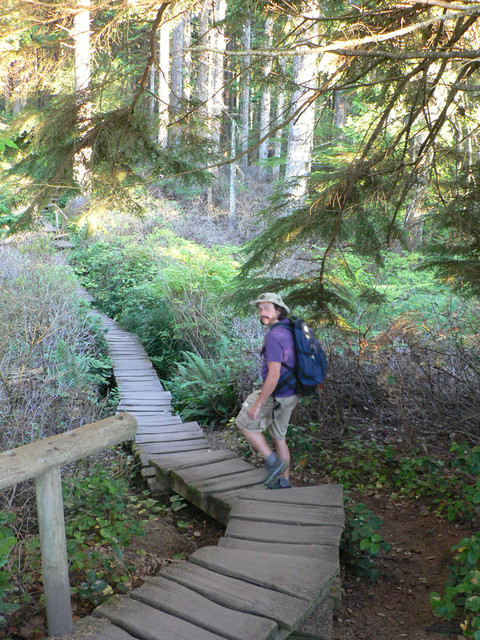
(311,365)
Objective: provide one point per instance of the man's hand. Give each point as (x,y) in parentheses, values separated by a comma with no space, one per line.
(268,387)
(254,411)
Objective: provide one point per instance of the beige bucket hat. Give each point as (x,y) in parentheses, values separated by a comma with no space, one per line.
(271,297)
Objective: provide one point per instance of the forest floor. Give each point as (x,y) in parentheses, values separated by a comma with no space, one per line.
(397,605)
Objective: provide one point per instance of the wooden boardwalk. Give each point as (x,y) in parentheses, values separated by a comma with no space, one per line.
(272,568)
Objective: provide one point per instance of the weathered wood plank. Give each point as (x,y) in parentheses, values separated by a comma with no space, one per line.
(180,461)
(159,400)
(180,601)
(167,425)
(306,578)
(176,427)
(321,551)
(220,504)
(287,611)
(216,470)
(141,396)
(280,512)
(216,485)
(295,534)
(157,420)
(91,628)
(31,460)
(170,436)
(191,445)
(136,377)
(148,623)
(319,495)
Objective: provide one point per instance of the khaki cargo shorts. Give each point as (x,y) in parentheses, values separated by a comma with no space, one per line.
(274,415)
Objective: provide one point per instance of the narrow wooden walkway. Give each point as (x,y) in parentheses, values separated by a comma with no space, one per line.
(276,561)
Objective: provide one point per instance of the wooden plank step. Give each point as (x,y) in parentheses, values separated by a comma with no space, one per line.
(321,551)
(164,412)
(173,436)
(167,423)
(319,495)
(220,504)
(173,447)
(146,410)
(91,628)
(142,365)
(196,475)
(205,488)
(168,428)
(200,494)
(180,601)
(295,534)
(287,513)
(148,623)
(146,406)
(169,461)
(158,420)
(135,376)
(287,611)
(137,392)
(145,399)
(138,396)
(305,578)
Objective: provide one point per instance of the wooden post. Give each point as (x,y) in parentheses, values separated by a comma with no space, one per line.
(53,546)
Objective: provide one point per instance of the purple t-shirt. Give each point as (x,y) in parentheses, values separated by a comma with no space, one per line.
(279,347)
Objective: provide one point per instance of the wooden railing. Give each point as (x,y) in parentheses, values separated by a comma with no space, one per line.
(43,460)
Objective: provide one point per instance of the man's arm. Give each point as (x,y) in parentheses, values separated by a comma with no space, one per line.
(273,375)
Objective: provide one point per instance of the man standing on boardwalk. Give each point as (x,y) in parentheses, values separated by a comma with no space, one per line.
(270,408)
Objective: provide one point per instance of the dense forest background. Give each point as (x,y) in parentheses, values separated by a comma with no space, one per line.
(187,155)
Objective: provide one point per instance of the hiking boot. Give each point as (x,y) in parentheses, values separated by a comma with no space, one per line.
(274,466)
(281,483)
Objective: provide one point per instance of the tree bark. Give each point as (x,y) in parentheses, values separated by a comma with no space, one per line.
(300,136)
(217,68)
(176,88)
(163,83)
(280,117)
(265,101)
(245,97)
(81,86)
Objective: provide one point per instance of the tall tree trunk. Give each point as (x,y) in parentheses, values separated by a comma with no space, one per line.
(201,86)
(300,135)
(232,212)
(176,93)
(81,86)
(265,100)
(339,109)
(151,96)
(163,83)
(245,97)
(217,68)
(413,221)
(279,119)
(187,56)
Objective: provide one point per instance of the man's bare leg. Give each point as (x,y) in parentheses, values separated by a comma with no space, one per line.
(283,452)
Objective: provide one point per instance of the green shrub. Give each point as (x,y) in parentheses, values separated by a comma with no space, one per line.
(205,389)
(7,542)
(102,517)
(360,464)
(461,599)
(361,541)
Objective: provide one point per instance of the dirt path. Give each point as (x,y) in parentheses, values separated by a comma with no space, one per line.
(397,605)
